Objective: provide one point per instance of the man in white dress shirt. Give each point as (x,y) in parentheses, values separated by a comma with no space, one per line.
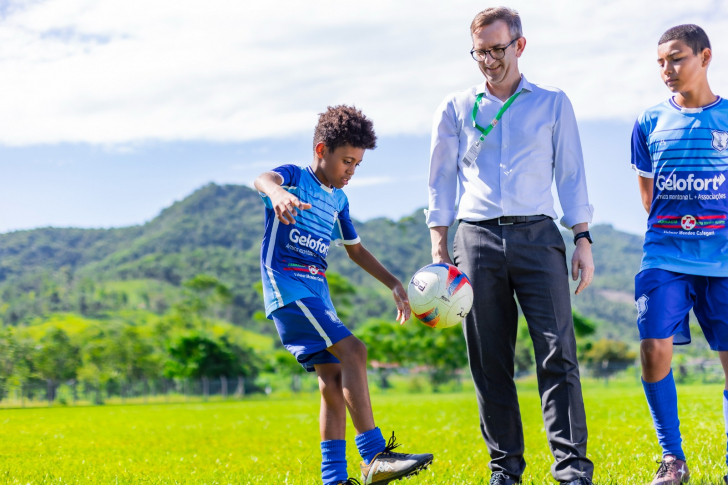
(496,149)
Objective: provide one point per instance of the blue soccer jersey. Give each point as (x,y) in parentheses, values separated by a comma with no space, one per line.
(684,151)
(293,257)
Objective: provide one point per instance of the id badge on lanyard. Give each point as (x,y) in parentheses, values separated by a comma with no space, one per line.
(472,154)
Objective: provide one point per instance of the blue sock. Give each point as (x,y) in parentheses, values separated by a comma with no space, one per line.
(725,417)
(662,399)
(370,443)
(333,465)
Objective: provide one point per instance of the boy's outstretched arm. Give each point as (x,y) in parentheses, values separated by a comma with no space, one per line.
(284,203)
(371,265)
(646,192)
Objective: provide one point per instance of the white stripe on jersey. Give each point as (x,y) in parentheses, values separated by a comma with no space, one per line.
(313,321)
(269,258)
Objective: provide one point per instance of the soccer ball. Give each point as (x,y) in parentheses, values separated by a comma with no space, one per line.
(440,295)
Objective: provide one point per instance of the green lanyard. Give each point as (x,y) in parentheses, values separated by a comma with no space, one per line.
(497,118)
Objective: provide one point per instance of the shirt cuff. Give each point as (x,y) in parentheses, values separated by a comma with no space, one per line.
(347,242)
(577,215)
(439,217)
(648,175)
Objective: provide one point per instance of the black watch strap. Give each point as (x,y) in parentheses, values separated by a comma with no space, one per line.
(586,235)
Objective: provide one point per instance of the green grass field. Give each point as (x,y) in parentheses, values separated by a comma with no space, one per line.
(275,441)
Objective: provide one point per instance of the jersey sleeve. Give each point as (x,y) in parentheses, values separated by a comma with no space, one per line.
(641,159)
(291,175)
(344,232)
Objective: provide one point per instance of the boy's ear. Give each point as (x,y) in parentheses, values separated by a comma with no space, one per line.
(707,56)
(320,149)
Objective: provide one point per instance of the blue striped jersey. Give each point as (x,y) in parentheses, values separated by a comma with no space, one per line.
(293,257)
(684,151)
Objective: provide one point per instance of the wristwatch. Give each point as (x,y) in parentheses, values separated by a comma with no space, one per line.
(584,235)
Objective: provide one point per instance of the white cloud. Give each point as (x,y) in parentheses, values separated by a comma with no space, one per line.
(124,71)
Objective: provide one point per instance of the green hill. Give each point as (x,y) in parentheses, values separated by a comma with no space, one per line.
(217,231)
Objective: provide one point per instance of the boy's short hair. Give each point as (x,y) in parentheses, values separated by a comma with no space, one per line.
(344,125)
(493,14)
(692,35)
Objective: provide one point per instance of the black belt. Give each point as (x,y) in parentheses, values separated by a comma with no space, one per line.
(508,220)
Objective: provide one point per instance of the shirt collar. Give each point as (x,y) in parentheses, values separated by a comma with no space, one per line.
(330,190)
(523,85)
(694,110)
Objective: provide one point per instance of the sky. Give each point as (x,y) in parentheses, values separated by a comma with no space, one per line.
(108,115)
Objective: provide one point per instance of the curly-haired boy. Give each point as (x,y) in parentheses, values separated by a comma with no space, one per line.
(305,210)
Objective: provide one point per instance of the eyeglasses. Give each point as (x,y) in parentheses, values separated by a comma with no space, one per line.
(497,53)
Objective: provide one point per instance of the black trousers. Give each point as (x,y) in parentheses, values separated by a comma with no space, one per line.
(526,260)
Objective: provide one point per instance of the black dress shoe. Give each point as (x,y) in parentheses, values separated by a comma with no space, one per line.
(579,481)
(499,478)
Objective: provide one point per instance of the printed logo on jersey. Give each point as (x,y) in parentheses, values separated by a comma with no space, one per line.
(309,242)
(689,222)
(641,305)
(720,140)
(302,268)
(336,216)
(691,182)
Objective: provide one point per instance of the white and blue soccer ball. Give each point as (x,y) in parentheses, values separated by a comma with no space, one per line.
(440,295)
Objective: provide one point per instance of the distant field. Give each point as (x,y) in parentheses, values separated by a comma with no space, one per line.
(275,441)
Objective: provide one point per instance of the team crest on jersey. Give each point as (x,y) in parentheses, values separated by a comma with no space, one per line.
(336,214)
(688,222)
(313,269)
(720,140)
(641,305)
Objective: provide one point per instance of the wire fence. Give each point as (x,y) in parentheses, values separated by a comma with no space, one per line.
(149,391)
(73,393)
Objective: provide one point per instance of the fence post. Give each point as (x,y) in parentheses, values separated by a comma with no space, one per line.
(49,391)
(223,386)
(22,394)
(205,387)
(186,388)
(240,391)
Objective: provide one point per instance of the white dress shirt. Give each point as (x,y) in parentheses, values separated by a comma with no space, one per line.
(536,140)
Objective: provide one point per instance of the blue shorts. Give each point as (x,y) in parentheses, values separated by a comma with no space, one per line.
(664,299)
(308,327)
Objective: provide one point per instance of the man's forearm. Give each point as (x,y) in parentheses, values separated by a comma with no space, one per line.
(581,227)
(438,237)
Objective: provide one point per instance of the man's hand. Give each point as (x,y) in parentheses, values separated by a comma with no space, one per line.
(285,205)
(582,260)
(403,306)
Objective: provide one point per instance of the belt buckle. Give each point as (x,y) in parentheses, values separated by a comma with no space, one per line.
(504,223)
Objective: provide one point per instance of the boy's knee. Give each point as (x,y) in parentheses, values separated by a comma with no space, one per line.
(359,349)
(330,381)
(655,351)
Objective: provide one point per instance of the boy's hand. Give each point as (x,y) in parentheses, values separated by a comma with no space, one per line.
(285,205)
(403,306)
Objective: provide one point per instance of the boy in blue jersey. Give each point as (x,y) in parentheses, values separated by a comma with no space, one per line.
(679,151)
(305,210)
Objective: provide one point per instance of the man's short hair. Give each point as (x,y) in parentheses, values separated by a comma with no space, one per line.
(692,35)
(507,15)
(344,125)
